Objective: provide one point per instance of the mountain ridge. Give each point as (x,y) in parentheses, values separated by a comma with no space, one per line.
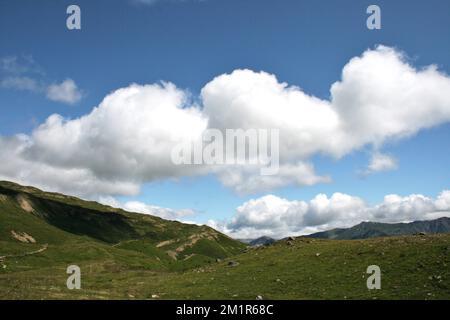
(368,229)
(260,241)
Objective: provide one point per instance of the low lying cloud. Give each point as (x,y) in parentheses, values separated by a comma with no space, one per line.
(277,217)
(141,207)
(127,139)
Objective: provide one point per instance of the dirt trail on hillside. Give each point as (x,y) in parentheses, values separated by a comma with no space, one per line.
(123,242)
(25,254)
(193,239)
(166,243)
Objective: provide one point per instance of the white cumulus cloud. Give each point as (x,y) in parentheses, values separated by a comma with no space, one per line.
(381,162)
(277,217)
(66,92)
(128,138)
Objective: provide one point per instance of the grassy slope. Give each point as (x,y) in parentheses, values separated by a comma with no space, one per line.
(122,260)
(413,267)
(95,237)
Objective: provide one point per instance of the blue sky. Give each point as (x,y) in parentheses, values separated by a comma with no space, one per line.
(303,43)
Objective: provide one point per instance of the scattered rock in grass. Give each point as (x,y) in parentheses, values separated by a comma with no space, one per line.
(172,254)
(437,278)
(259,298)
(318,254)
(233,264)
(25,203)
(155,296)
(22,237)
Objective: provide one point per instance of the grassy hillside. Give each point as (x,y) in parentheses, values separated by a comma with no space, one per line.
(131,256)
(413,267)
(75,231)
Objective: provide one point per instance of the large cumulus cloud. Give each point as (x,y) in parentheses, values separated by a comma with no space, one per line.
(124,142)
(127,140)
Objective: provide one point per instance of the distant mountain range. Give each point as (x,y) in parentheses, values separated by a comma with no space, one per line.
(261,241)
(367,230)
